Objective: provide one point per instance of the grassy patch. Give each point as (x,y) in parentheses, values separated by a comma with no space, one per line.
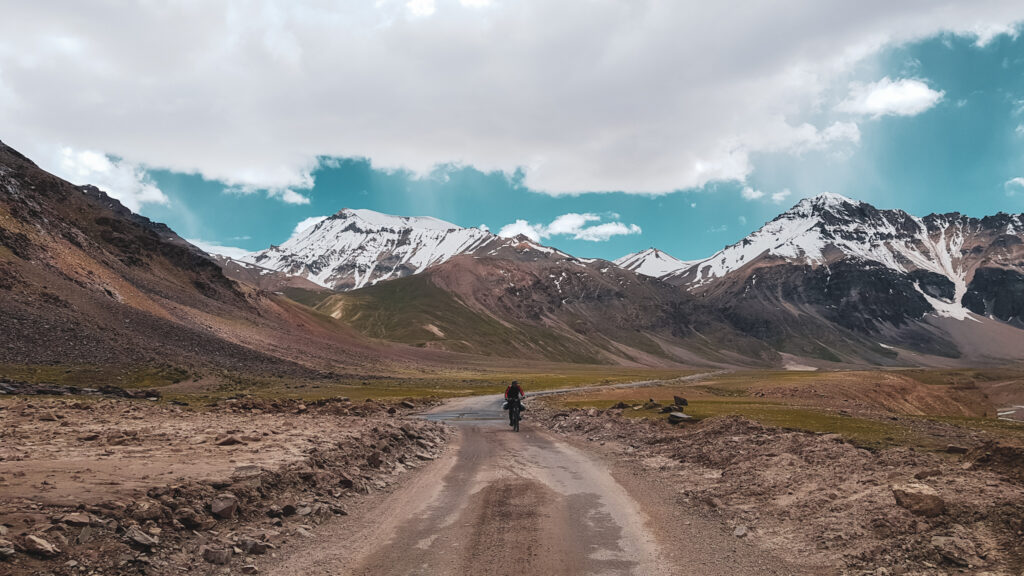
(91,376)
(864,432)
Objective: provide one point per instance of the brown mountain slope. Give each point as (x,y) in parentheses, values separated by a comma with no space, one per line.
(84,281)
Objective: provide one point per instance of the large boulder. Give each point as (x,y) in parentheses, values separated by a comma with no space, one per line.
(920,499)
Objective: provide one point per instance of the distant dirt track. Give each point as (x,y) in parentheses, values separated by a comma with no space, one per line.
(520,504)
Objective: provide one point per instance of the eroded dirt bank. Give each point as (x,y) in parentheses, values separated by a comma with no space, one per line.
(135,487)
(818,500)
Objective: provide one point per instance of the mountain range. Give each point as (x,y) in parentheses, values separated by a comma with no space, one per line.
(830,282)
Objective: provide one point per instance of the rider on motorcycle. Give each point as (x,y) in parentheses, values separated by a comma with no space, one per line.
(514,393)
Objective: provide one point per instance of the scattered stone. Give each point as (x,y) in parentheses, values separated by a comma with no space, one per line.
(957,549)
(375,459)
(251,546)
(407,404)
(215,555)
(189,518)
(135,535)
(147,510)
(224,506)
(922,474)
(954,449)
(740,531)
(40,546)
(678,417)
(250,569)
(919,499)
(6,549)
(680,401)
(229,440)
(76,519)
(289,509)
(89,437)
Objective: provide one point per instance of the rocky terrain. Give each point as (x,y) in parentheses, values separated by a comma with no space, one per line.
(820,500)
(102,486)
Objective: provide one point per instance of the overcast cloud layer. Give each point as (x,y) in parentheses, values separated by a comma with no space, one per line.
(640,96)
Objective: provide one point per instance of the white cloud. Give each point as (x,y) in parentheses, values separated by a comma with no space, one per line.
(522,227)
(742,220)
(485,88)
(305,224)
(1019,130)
(214,248)
(421,8)
(903,97)
(780,197)
(1014,186)
(749,193)
(289,196)
(485,227)
(127,182)
(572,224)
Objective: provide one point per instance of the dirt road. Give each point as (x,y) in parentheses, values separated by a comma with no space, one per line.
(501,502)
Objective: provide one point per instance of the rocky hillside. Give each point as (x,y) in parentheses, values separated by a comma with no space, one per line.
(939,256)
(84,283)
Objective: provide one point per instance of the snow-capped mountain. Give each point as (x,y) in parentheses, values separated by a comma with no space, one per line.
(357,248)
(822,230)
(653,262)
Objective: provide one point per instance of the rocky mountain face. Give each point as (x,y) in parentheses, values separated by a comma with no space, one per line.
(545,306)
(880,273)
(84,282)
(937,260)
(357,248)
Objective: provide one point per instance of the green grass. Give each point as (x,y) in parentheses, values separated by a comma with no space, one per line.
(863,432)
(401,310)
(92,376)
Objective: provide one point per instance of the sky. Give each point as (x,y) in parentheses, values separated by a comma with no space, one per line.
(596,126)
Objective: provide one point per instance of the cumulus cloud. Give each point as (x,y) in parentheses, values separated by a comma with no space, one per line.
(1014,186)
(749,193)
(903,97)
(780,196)
(125,181)
(576,226)
(306,224)
(522,228)
(255,94)
(215,248)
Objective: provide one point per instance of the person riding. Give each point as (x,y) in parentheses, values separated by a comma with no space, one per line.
(514,393)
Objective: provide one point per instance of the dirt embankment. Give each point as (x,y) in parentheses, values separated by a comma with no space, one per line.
(816,499)
(135,487)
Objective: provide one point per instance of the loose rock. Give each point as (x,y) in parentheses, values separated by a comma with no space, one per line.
(224,506)
(40,546)
(919,499)
(215,555)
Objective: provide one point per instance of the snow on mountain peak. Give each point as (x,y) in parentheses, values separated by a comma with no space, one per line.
(653,262)
(371,220)
(358,247)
